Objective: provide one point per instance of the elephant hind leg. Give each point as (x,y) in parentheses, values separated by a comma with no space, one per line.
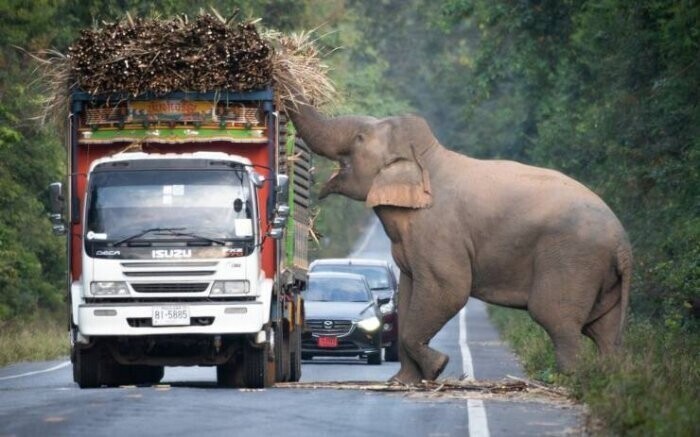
(562,312)
(605,330)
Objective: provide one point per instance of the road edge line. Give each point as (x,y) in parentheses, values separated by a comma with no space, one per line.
(36,372)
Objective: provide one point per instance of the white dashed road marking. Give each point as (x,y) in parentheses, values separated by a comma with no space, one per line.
(478,425)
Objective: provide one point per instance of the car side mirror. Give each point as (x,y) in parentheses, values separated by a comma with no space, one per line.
(57,200)
(383,300)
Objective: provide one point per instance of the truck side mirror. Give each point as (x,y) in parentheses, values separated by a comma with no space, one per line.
(257,178)
(56,199)
(282,183)
(283,210)
(276,233)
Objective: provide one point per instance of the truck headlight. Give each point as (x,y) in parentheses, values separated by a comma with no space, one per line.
(109,289)
(228,288)
(370,324)
(387,308)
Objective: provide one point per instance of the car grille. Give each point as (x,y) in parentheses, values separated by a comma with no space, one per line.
(336,327)
(170,287)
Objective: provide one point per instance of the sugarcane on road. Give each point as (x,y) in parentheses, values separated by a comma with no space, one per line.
(41,399)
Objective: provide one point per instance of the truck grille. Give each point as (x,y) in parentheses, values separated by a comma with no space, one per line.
(335,327)
(170,288)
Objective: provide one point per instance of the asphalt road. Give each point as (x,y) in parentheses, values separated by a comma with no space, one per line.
(40,399)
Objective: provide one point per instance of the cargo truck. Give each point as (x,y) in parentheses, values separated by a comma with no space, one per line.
(186,217)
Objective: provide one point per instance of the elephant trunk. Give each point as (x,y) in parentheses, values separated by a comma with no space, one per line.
(329,137)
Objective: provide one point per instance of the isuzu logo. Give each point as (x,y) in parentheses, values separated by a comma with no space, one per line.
(107,252)
(328,324)
(171,253)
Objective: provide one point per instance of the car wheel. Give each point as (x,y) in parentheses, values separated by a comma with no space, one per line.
(374,358)
(391,353)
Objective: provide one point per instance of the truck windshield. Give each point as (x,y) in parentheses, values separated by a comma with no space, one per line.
(213,203)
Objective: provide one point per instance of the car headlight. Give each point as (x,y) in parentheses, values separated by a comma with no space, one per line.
(109,289)
(370,324)
(228,288)
(387,308)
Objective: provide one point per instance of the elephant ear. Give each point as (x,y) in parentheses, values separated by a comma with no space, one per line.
(403,183)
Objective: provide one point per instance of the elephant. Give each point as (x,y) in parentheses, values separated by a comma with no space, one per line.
(503,232)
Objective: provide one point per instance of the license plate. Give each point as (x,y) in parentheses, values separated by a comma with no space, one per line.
(328,342)
(171,316)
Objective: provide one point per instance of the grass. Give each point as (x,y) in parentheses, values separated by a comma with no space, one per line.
(43,337)
(651,388)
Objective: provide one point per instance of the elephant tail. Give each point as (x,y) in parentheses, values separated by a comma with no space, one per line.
(624,269)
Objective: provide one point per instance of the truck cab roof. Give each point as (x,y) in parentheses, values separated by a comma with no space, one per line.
(140,156)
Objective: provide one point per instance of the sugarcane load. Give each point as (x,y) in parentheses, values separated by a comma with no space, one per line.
(187,203)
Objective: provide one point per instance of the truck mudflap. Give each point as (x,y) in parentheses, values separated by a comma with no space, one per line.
(106,319)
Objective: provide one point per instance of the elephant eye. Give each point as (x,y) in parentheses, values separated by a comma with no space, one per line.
(360,138)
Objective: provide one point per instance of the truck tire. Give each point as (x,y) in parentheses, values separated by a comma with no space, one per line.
(374,358)
(281,355)
(259,370)
(95,367)
(86,367)
(295,355)
(391,353)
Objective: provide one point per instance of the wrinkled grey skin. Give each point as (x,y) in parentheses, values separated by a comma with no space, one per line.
(503,232)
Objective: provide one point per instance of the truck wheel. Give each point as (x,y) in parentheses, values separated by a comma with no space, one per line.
(374,358)
(86,366)
(95,366)
(295,355)
(391,353)
(259,369)
(281,355)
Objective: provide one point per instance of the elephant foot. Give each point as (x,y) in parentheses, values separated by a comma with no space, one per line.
(437,368)
(405,378)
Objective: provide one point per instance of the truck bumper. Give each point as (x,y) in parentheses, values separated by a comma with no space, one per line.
(134,319)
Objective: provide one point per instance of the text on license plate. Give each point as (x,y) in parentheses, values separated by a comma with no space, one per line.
(328,342)
(171,315)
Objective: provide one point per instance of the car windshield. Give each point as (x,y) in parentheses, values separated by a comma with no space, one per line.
(336,290)
(214,203)
(377,276)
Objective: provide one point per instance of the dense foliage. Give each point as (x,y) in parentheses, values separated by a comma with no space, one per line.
(605,90)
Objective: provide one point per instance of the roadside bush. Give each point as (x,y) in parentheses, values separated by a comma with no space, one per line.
(651,388)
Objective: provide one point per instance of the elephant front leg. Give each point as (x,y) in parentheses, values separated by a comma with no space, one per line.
(434,302)
(409,373)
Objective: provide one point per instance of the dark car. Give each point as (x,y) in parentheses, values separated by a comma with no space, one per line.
(342,318)
(382,281)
